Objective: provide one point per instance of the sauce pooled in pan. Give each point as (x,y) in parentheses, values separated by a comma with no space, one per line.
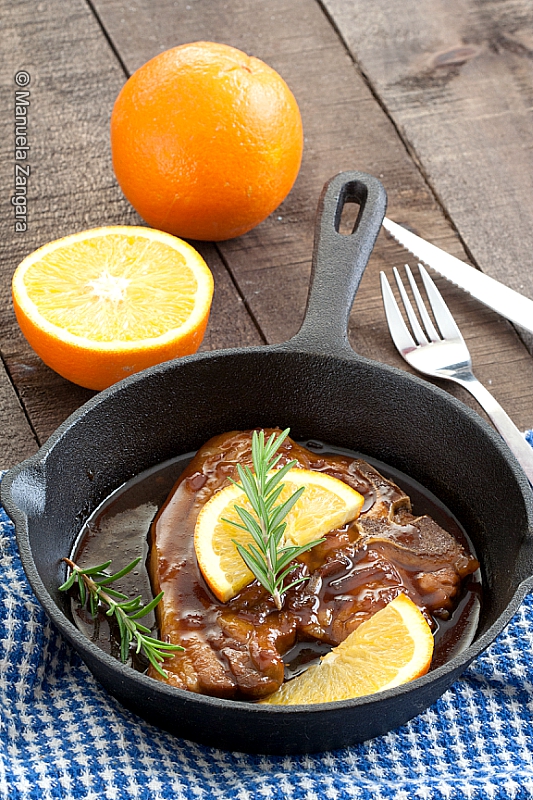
(244,648)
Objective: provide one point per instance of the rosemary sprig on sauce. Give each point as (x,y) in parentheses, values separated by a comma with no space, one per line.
(94,590)
(269,559)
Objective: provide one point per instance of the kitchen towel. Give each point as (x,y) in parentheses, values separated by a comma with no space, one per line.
(63,736)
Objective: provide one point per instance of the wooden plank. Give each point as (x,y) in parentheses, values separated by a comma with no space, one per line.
(456,78)
(17,440)
(75,77)
(345,128)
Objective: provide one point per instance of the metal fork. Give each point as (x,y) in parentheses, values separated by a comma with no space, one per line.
(445,355)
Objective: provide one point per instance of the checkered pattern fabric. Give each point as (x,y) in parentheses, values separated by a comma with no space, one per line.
(62,736)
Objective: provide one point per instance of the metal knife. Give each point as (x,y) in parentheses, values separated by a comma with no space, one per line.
(505,301)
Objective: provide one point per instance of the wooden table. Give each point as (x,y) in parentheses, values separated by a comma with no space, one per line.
(432,96)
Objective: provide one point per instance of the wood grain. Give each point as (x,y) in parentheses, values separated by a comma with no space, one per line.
(75,77)
(345,128)
(456,77)
(78,59)
(17,439)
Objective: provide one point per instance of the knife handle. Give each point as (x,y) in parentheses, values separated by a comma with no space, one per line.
(522,451)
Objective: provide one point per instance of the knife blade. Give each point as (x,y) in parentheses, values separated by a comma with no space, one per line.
(500,298)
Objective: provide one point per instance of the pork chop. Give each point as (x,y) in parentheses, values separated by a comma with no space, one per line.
(235,650)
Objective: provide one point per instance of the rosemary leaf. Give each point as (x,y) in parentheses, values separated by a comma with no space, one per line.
(273,497)
(69,583)
(82,590)
(287,556)
(249,486)
(93,604)
(142,629)
(125,641)
(281,577)
(115,594)
(255,564)
(251,524)
(280,512)
(278,476)
(95,570)
(295,583)
(93,586)
(279,531)
(120,621)
(128,568)
(155,656)
(150,607)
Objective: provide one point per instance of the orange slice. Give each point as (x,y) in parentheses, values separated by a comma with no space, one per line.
(392,647)
(100,305)
(327,503)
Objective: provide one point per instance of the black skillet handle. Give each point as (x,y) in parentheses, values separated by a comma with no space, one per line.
(339,260)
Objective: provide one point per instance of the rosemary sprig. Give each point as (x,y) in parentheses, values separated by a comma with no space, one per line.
(269,559)
(94,590)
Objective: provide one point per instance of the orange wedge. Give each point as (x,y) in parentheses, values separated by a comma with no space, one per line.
(327,503)
(392,647)
(100,305)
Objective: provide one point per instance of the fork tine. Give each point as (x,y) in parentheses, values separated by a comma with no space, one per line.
(443,315)
(420,336)
(398,329)
(426,319)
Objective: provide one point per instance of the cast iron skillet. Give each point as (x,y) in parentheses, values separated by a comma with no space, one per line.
(320,388)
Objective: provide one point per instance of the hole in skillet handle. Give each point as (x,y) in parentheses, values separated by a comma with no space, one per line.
(339,260)
(349,217)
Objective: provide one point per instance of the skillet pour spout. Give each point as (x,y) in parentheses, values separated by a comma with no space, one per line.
(320,388)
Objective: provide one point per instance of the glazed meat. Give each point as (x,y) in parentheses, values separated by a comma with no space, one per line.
(235,650)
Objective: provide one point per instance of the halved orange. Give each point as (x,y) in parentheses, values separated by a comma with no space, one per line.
(391,648)
(102,304)
(327,503)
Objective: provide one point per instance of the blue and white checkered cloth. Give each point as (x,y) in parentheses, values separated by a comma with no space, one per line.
(63,736)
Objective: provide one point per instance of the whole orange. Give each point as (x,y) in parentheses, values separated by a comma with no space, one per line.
(206,141)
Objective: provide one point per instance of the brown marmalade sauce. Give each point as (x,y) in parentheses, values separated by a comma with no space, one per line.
(119,530)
